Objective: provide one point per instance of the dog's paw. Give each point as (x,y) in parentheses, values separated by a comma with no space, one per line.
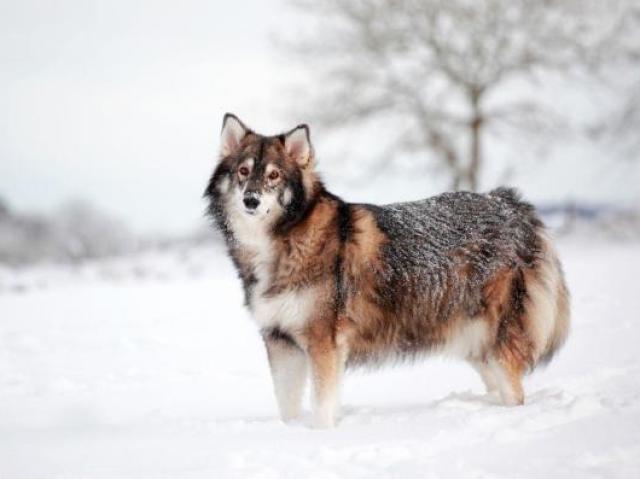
(323,422)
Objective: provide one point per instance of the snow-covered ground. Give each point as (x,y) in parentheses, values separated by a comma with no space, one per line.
(150,367)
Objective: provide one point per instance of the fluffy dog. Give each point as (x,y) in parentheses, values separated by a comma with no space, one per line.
(333,284)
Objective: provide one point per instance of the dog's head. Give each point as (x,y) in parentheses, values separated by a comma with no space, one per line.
(261,180)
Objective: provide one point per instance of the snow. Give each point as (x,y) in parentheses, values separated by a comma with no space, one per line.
(150,367)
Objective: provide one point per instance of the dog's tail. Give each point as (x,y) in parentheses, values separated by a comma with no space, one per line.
(548,305)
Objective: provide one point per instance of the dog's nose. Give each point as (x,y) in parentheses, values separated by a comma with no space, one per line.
(251,202)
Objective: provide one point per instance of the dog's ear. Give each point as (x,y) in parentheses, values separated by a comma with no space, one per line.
(297,145)
(233,131)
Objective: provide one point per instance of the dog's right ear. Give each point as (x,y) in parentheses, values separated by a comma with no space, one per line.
(233,131)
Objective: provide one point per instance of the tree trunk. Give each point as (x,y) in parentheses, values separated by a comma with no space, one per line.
(475,132)
(456,180)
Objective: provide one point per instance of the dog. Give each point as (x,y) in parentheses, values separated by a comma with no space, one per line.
(333,284)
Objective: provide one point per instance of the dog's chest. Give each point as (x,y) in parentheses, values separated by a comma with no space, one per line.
(287,310)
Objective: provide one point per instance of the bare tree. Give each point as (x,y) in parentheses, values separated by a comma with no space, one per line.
(619,64)
(431,66)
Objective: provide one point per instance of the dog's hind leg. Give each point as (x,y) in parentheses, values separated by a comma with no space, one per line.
(508,376)
(288,365)
(487,375)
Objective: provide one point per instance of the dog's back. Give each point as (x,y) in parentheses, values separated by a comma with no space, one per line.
(474,275)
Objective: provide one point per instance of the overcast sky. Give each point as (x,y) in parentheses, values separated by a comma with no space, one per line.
(120,102)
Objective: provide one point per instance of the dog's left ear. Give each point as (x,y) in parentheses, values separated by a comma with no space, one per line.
(297,145)
(233,131)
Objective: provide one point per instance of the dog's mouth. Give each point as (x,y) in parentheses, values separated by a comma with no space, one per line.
(255,212)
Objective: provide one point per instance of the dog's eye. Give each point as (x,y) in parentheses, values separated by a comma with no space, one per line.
(243,171)
(274,175)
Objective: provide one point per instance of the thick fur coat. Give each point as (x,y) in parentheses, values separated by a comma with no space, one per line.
(333,284)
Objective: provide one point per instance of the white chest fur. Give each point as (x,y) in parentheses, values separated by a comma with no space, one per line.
(288,310)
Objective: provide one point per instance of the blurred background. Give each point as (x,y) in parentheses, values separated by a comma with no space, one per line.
(121,317)
(111,113)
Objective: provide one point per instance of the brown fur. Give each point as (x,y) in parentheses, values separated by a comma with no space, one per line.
(304,255)
(365,311)
(370,327)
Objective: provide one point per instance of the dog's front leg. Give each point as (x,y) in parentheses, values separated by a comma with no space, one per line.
(288,365)
(326,374)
